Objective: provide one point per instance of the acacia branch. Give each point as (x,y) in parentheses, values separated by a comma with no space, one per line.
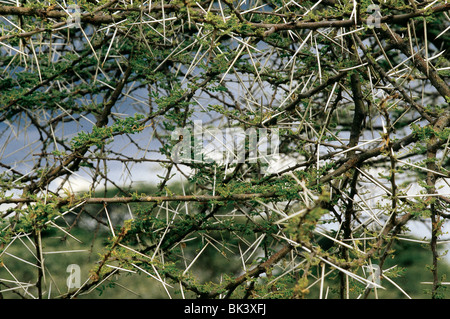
(257,270)
(145,199)
(419,61)
(399,18)
(100,19)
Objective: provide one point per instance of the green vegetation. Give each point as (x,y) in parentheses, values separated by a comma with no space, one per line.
(224,149)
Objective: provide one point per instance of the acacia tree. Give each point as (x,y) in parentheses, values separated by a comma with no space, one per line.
(309,137)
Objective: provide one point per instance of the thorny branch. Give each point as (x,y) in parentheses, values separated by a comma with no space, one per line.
(359,114)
